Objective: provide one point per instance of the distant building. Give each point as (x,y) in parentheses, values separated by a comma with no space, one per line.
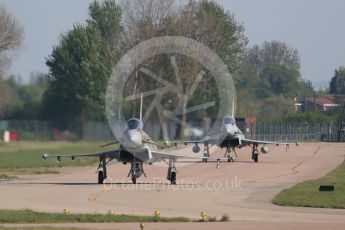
(325,103)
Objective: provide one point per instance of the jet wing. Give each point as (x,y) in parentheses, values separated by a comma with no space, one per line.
(201,141)
(157,155)
(209,138)
(115,154)
(108,154)
(163,155)
(246,141)
(187,142)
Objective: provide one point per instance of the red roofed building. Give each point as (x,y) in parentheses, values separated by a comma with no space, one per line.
(326,103)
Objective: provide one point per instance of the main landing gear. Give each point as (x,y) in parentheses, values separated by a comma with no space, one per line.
(102,169)
(171,172)
(206,152)
(228,154)
(255,152)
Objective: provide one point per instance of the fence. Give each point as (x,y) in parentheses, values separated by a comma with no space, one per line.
(100,130)
(42,130)
(295,131)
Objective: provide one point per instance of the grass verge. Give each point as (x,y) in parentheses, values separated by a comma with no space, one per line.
(6,177)
(26,157)
(306,194)
(29,216)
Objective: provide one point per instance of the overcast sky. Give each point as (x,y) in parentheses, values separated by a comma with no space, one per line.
(315,27)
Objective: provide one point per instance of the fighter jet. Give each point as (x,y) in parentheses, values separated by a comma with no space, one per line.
(231,137)
(136,148)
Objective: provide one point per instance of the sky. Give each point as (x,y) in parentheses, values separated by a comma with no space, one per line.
(314,27)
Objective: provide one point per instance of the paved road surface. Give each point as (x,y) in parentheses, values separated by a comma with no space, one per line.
(243,190)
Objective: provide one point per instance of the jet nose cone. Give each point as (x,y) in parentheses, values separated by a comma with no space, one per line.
(231,131)
(134,138)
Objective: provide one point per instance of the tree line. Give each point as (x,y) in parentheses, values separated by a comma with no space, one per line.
(267,76)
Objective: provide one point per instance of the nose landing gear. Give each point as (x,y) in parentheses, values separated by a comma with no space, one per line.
(228,154)
(136,171)
(134,180)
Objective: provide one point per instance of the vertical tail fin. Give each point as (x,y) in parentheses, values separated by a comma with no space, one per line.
(141,107)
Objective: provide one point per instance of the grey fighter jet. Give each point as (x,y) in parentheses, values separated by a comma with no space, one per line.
(231,137)
(136,148)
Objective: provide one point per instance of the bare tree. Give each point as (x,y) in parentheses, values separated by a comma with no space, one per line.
(11,36)
(145,19)
(272,53)
(203,21)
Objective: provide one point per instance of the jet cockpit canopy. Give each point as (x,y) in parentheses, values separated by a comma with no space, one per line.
(229,120)
(134,123)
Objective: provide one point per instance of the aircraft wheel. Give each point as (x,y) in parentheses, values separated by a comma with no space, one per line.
(204,160)
(173,178)
(256,157)
(134,180)
(100,177)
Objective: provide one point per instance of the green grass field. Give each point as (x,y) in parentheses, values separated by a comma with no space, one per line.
(26,157)
(307,194)
(6,177)
(29,216)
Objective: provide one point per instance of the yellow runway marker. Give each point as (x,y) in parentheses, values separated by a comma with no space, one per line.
(93,197)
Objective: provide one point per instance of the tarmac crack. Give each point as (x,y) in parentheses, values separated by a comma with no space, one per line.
(294,168)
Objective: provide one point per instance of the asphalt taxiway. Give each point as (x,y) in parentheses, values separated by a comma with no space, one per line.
(242,189)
